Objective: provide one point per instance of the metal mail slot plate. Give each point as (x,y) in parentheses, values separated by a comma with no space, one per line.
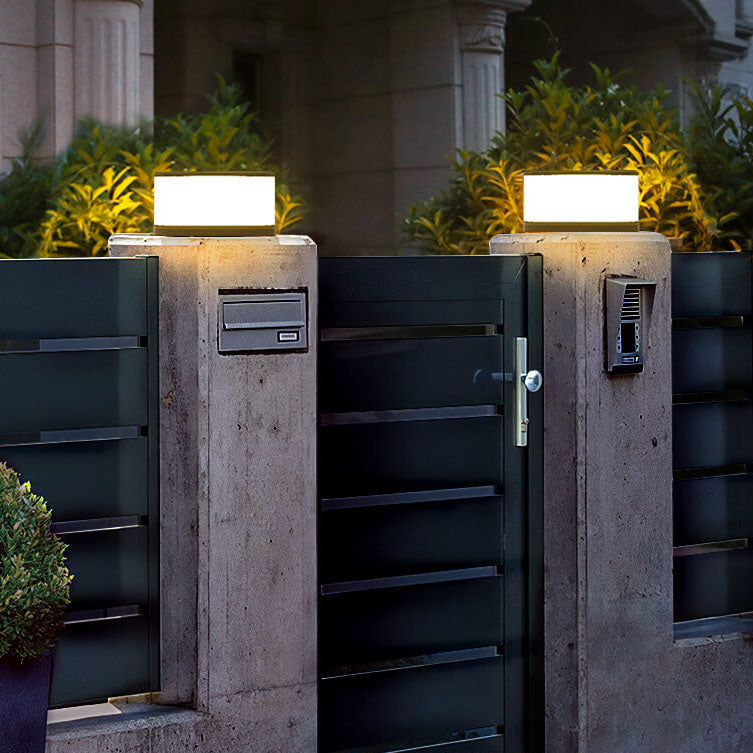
(261,322)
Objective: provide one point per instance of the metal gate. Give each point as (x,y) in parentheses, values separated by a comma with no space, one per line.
(430,521)
(79,420)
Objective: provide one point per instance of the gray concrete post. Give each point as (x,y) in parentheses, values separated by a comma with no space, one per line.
(238,498)
(616,679)
(607,508)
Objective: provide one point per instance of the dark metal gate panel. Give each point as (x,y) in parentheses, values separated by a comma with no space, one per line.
(430,516)
(79,419)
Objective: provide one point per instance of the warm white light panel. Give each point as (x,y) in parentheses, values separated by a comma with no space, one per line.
(569,198)
(214,201)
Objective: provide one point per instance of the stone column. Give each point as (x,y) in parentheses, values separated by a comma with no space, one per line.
(744,19)
(612,685)
(107,61)
(238,499)
(481,34)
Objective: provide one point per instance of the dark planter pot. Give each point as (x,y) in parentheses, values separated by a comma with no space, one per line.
(24,694)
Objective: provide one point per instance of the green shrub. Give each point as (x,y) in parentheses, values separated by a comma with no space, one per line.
(25,194)
(554,126)
(34,582)
(103,183)
(721,144)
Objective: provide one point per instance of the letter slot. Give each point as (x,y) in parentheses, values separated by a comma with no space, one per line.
(262,322)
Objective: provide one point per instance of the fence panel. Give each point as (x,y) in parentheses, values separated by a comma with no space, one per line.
(712,365)
(79,419)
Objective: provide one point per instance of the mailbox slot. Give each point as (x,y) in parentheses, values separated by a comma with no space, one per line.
(261,322)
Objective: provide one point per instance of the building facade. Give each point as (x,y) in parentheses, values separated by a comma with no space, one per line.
(366,100)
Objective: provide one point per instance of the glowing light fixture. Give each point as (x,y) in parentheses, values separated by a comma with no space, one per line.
(214,204)
(580,201)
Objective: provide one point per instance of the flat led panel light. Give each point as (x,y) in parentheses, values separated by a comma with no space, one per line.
(580,201)
(214,204)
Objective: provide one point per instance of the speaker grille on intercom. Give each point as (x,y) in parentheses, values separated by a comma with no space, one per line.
(631,304)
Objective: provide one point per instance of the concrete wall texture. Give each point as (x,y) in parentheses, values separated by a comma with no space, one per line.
(63,60)
(238,528)
(616,680)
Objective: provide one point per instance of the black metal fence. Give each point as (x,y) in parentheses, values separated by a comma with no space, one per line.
(712,363)
(78,418)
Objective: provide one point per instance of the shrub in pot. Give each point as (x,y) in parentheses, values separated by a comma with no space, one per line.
(34,593)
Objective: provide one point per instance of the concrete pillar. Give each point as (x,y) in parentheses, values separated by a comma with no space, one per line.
(238,497)
(612,683)
(481,34)
(107,61)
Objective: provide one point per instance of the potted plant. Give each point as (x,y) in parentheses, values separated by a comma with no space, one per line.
(34,594)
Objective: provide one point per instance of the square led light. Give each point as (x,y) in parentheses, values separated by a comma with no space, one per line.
(581,201)
(214,204)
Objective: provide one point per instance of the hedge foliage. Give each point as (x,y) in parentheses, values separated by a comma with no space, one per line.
(685,190)
(103,183)
(34,581)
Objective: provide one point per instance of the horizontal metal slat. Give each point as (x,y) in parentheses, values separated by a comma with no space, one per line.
(707,322)
(98,659)
(115,474)
(387,708)
(711,284)
(712,434)
(484,740)
(712,471)
(413,662)
(401,498)
(70,344)
(109,567)
(413,579)
(366,335)
(383,458)
(481,744)
(102,615)
(369,626)
(410,373)
(409,414)
(70,390)
(358,314)
(711,359)
(711,396)
(364,542)
(88,297)
(709,547)
(714,508)
(725,624)
(713,584)
(418,278)
(57,436)
(98,525)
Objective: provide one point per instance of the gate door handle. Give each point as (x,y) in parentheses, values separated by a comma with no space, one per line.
(525,381)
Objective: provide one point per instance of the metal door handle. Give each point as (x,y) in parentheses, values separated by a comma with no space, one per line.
(525,381)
